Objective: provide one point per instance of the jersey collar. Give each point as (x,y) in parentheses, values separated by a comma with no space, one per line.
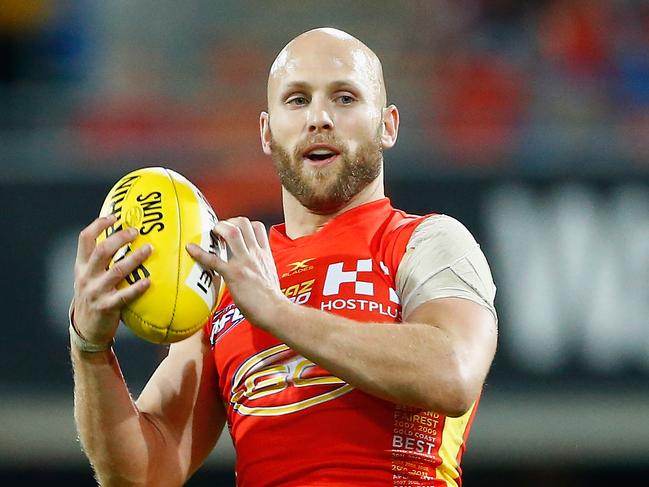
(359,215)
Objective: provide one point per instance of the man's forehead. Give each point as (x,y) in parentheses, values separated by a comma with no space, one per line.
(325,53)
(324,41)
(323,64)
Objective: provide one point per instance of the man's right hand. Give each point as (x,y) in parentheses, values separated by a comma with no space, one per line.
(97,300)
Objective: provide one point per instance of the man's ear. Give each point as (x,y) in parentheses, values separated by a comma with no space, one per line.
(264,132)
(390,126)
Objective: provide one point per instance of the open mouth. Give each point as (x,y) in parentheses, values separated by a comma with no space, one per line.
(321,154)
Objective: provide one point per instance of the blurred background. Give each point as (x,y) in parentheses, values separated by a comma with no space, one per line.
(528,120)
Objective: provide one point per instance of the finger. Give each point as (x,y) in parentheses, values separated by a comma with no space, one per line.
(119,270)
(247,231)
(127,295)
(232,235)
(261,235)
(105,251)
(88,236)
(207,259)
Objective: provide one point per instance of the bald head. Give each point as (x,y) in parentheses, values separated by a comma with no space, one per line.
(326,49)
(327,122)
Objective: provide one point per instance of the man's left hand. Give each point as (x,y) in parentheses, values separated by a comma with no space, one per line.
(249,272)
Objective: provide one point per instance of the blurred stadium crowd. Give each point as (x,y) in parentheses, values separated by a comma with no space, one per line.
(529,85)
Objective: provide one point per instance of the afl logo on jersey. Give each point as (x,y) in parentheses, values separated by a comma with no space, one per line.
(223,321)
(276,381)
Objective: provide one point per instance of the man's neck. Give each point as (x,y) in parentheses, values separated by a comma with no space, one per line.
(301,221)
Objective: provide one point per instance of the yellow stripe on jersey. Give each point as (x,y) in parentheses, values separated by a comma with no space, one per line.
(219,297)
(452,439)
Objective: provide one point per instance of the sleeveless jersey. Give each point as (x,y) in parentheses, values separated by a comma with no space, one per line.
(291,421)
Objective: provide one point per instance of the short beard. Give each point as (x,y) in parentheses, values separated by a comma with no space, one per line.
(328,189)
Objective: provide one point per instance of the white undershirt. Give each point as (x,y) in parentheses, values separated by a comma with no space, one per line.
(443,260)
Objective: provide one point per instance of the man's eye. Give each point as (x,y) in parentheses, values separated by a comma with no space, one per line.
(346,99)
(297,100)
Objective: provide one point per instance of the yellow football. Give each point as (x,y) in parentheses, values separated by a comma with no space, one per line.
(169,212)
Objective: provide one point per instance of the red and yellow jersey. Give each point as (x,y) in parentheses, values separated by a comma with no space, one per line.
(291,421)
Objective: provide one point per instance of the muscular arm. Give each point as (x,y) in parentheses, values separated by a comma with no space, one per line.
(437,359)
(162,438)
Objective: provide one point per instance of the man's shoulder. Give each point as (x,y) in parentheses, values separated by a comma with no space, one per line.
(440,229)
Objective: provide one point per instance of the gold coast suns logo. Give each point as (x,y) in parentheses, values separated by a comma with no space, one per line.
(276,381)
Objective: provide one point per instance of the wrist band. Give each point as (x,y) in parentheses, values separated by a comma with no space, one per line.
(81,343)
(84,345)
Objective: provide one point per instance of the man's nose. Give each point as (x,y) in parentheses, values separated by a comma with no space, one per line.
(319,117)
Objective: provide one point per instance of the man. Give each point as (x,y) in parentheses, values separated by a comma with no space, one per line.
(350,349)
